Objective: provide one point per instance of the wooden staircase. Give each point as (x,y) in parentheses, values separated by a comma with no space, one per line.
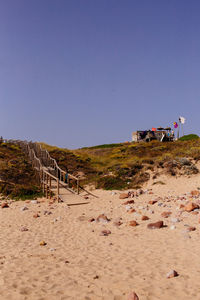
(50,175)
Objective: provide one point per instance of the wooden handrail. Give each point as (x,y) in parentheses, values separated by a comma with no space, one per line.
(43,163)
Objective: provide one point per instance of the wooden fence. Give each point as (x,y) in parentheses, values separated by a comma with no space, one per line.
(50,175)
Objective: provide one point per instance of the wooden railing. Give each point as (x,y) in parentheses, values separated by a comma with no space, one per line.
(49,173)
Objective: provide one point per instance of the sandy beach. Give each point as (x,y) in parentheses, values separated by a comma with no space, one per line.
(52,251)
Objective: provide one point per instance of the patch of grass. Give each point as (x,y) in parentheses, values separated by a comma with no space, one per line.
(189,137)
(128,162)
(17,177)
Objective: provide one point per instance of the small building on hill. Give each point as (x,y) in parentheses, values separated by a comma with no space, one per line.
(159,134)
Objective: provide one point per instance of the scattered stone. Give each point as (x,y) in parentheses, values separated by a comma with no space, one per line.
(190,206)
(23,229)
(59,218)
(102,218)
(133,223)
(113,193)
(36,216)
(43,243)
(166,214)
(117,223)
(155,225)
(175,220)
(86,197)
(128,202)
(191,228)
(52,249)
(91,220)
(4,205)
(132,210)
(46,212)
(105,232)
(172,227)
(152,202)
(144,218)
(96,277)
(195,193)
(24,208)
(123,196)
(172,274)
(133,296)
(34,201)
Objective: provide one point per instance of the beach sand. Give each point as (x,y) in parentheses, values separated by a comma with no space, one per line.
(78,262)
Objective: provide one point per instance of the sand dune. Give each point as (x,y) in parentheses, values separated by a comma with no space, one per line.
(78,262)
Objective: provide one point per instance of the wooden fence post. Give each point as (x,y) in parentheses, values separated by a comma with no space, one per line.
(78,186)
(58,189)
(49,187)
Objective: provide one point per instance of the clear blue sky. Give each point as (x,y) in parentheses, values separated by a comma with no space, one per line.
(76,73)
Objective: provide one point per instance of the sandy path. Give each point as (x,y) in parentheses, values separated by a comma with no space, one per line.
(79,263)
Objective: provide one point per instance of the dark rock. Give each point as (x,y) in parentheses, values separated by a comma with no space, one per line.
(155,225)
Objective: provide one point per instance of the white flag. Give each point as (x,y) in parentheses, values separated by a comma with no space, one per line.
(181,120)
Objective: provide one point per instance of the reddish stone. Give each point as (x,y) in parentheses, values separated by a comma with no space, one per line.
(105,232)
(191,228)
(190,206)
(155,225)
(4,205)
(181,206)
(133,296)
(35,216)
(172,274)
(123,196)
(91,220)
(194,212)
(152,202)
(128,202)
(144,218)
(117,223)
(133,223)
(195,193)
(166,214)
(132,210)
(102,218)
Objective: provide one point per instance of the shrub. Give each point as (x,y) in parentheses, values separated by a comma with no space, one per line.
(189,137)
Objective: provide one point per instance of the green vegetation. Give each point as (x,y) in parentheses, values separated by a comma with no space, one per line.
(189,137)
(128,165)
(17,177)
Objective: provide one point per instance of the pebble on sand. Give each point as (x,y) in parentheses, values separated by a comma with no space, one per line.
(133,223)
(36,216)
(166,214)
(191,206)
(123,196)
(155,225)
(144,218)
(4,205)
(152,202)
(43,243)
(172,274)
(133,296)
(103,218)
(105,232)
(23,229)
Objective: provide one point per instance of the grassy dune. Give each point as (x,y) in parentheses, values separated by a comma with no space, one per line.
(128,165)
(17,177)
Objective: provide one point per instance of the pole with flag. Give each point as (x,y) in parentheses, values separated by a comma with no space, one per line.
(182,121)
(176,126)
